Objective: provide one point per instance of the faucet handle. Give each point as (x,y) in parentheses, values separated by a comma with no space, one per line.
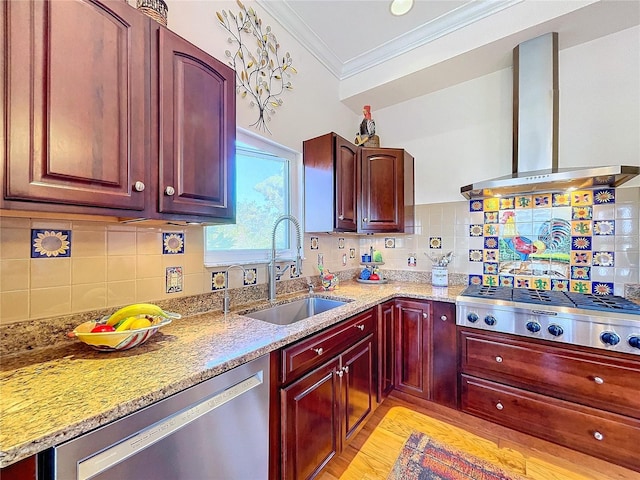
(310,285)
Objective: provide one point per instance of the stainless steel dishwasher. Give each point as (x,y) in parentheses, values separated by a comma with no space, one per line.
(218,429)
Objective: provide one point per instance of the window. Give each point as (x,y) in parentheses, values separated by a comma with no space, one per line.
(268,180)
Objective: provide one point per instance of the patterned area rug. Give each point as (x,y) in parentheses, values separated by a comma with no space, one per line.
(423,458)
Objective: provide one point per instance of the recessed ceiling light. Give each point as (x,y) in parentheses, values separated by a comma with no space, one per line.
(400,7)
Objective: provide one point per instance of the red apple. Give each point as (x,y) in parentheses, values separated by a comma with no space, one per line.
(374,276)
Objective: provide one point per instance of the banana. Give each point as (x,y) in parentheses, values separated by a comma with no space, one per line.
(135,310)
(125,324)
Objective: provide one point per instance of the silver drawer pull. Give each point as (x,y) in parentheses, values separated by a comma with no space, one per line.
(319,351)
(598,380)
(499,359)
(499,406)
(598,436)
(443,318)
(360,327)
(346,369)
(340,373)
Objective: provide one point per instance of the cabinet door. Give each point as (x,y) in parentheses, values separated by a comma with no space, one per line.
(412,347)
(381,198)
(346,185)
(196,129)
(358,391)
(76,129)
(444,355)
(385,349)
(310,428)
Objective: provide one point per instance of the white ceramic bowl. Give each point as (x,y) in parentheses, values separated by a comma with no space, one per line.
(115,341)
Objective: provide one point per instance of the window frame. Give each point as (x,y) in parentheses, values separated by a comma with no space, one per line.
(214,258)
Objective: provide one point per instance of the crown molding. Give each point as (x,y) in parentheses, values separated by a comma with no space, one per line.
(464,15)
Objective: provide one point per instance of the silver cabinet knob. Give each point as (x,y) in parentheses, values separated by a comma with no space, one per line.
(499,406)
(360,327)
(425,315)
(598,436)
(443,318)
(365,219)
(139,186)
(499,359)
(346,369)
(598,380)
(319,351)
(340,373)
(170,191)
(340,217)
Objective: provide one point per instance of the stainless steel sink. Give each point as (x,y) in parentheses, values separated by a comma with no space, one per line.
(295,311)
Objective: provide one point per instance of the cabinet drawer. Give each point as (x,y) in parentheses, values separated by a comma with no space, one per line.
(601,381)
(300,357)
(605,435)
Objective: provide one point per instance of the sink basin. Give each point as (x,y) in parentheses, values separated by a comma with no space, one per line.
(295,311)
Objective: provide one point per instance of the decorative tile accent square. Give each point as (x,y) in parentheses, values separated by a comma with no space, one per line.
(581,198)
(604,195)
(250,276)
(314,243)
(491,255)
(542,201)
(523,201)
(491,204)
(490,280)
(435,242)
(582,213)
(475,255)
(603,259)
(491,230)
(523,282)
(174,279)
(541,283)
(580,273)
(559,285)
(293,271)
(580,258)
(580,243)
(581,227)
(491,217)
(218,280)
(475,230)
(491,242)
(50,243)
(475,279)
(341,243)
(604,227)
(476,206)
(561,200)
(506,281)
(507,203)
(390,242)
(172,243)
(602,288)
(490,268)
(580,286)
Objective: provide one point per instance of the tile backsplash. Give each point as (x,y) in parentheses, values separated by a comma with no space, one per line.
(55,267)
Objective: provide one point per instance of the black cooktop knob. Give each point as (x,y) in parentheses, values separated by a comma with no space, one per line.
(533,327)
(490,320)
(472,317)
(634,341)
(555,330)
(610,338)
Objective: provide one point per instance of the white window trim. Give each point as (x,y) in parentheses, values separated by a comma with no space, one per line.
(261,257)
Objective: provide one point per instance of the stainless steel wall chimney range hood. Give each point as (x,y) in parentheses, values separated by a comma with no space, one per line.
(535,132)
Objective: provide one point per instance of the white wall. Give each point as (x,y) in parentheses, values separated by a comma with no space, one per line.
(463,133)
(311,109)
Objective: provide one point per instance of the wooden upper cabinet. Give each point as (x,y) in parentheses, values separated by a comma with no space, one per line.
(386,191)
(330,172)
(75,103)
(196,130)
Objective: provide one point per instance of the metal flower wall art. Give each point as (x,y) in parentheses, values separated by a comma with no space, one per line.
(262,74)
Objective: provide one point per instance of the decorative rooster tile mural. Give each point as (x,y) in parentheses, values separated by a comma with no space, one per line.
(543,241)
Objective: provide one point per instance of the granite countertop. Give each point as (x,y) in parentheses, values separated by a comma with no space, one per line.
(50,395)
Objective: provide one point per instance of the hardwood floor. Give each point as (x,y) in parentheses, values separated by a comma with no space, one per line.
(374,450)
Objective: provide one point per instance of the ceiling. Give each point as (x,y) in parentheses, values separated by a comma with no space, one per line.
(440,42)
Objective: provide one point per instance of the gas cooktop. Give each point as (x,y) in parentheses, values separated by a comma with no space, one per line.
(605,303)
(606,322)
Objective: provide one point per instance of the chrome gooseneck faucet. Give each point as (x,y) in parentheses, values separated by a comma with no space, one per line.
(272,262)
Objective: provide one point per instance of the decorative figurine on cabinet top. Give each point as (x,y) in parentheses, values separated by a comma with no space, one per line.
(367,136)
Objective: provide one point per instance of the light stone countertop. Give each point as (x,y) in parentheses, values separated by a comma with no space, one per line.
(50,395)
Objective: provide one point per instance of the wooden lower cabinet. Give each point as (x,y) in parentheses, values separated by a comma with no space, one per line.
(327,404)
(573,396)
